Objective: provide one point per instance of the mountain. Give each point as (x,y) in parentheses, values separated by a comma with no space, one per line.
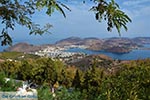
(91,43)
(142,40)
(69,41)
(114,45)
(24,47)
(119,45)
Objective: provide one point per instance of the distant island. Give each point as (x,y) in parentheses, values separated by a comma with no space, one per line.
(114,45)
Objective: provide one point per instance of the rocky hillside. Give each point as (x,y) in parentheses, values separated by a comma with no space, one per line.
(114,45)
(69,41)
(91,43)
(25,47)
(97,60)
(142,40)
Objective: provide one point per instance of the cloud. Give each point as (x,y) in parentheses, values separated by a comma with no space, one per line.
(137,8)
(135,3)
(79,22)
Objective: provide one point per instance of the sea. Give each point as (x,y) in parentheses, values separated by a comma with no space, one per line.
(133,55)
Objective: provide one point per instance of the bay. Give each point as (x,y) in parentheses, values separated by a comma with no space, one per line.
(133,55)
(2,48)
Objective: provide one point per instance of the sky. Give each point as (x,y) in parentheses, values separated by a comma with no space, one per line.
(80,22)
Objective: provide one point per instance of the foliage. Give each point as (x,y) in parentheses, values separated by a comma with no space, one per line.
(10,85)
(44,93)
(111,12)
(92,82)
(131,82)
(77,80)
(10,55)
(16,56)
(61,94)
(20,12)
(39,71)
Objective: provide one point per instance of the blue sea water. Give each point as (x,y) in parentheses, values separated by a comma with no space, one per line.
(2,48)
(33,40)
(147,45)
(133,55)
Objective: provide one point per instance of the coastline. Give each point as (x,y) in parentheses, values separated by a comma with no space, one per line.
(117,48)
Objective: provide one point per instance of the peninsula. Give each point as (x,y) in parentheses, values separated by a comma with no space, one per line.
(114,45)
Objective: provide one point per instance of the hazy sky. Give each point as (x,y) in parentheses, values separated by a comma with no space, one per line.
(81,22)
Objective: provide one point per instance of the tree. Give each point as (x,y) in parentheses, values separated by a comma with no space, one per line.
(77,81)
(25,71)
(20,12)
(44,71)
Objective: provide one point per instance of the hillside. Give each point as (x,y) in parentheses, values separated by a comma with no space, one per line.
(25,47)
(98,77)
(16,56)
(142,40)
(97,60)
(114,45)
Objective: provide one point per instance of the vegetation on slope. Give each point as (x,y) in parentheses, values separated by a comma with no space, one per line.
(16,56)
(129,81)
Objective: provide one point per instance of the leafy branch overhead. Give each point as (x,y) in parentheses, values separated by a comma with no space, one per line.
(111,13)
(20,12)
